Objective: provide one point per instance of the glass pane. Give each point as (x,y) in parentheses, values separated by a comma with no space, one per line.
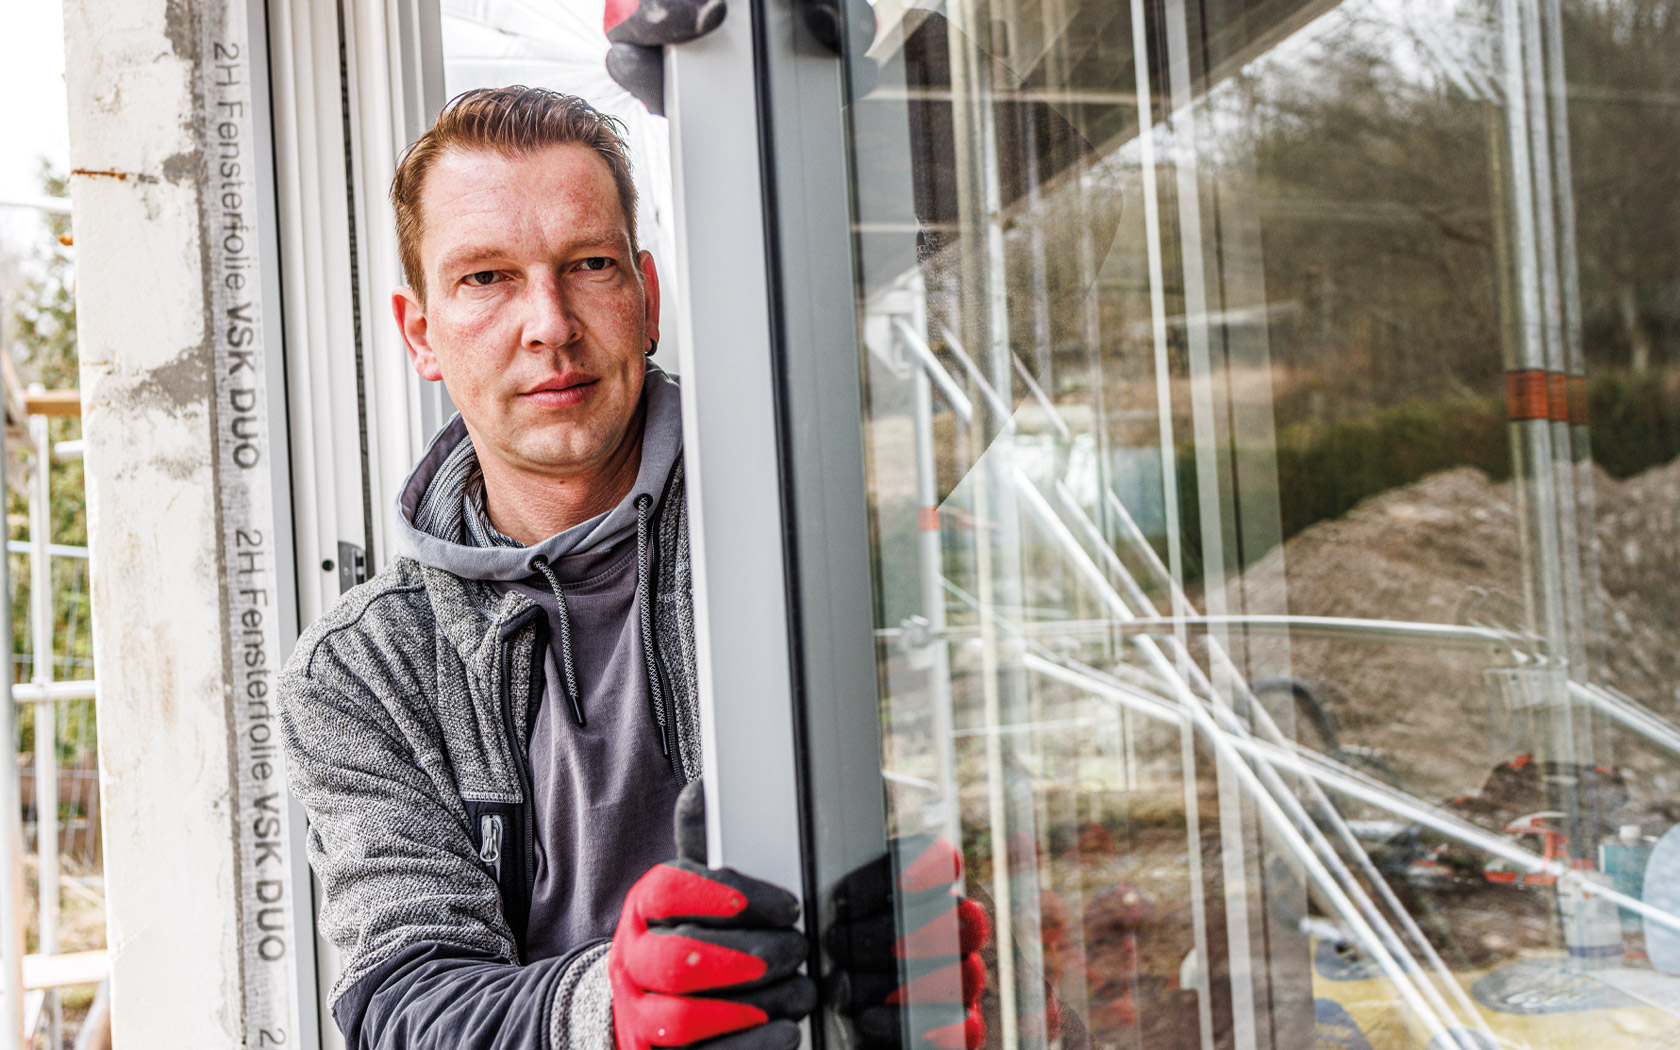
(1271,419)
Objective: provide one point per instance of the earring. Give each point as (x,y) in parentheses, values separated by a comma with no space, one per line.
(653,347)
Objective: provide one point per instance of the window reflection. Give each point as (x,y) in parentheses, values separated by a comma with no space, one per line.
(1272,412)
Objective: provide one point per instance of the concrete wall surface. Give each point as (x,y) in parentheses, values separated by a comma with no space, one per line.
(138,191)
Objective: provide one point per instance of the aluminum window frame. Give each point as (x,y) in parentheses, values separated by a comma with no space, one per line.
(774,452)
(733,460)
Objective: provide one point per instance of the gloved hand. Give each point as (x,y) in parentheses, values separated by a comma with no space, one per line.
(640,30)
(933,964)
(702,954)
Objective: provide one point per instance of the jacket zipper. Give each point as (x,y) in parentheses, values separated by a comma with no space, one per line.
(667,700)
(539,645)
(490,834)
(521,764)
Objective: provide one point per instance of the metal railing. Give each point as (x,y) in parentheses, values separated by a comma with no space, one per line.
(63,802)
(28,984)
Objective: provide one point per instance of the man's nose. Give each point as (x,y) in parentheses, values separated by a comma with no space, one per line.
(548,320)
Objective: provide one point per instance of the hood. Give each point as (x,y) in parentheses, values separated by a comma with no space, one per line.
(438,480)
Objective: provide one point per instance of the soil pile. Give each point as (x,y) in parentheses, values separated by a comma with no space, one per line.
(1447,549)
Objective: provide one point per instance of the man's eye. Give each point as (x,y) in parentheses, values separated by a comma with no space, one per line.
(595,262)
(483,277)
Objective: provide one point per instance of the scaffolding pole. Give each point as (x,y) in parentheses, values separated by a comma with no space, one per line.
(46,709)
(1169,491)
(11,836)
(1529,400)
(1306,843)
(931,562)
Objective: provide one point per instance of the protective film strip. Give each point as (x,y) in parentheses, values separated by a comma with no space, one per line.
(242,302)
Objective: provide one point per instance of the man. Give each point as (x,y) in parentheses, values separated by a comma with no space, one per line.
(492,736)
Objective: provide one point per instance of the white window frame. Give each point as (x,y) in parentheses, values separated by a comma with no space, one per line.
(392,76)
(370,98)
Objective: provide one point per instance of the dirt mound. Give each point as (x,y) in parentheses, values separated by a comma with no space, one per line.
(1447,549)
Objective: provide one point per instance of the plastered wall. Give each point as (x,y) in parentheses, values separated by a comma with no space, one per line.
(137,189)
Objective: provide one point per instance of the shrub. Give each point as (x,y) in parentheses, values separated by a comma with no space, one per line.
(1325,468)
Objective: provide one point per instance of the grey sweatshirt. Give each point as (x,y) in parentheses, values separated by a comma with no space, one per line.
(410,714)
(604,792)
(600,768)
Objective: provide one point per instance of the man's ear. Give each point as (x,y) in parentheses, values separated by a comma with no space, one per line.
(650,293)
(411,321)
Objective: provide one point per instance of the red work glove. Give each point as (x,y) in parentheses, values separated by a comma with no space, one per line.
(930,966)
(702,954)
(640,30)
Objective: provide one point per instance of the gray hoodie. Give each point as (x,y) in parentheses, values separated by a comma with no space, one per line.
(600,760)
(412,714)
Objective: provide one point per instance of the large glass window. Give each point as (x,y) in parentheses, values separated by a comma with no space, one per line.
(1271,419)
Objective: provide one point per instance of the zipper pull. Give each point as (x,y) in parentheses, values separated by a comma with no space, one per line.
(490,842)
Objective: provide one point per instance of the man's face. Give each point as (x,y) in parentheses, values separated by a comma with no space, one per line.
(537,313)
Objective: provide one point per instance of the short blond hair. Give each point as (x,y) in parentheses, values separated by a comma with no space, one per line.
(514,121)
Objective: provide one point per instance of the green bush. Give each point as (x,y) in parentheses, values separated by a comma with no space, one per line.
(1325,468)
(1634,420)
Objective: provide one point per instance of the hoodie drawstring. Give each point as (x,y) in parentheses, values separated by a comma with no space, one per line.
(644,602)
(540,564)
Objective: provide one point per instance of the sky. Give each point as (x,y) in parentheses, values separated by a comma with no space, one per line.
(34,121)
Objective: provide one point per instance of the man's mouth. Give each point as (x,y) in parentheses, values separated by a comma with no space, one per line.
(561,391)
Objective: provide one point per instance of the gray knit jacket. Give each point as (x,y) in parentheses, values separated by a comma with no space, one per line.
(406,717)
